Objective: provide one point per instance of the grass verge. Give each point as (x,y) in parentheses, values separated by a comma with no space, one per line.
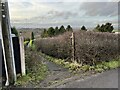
(74,66)
(36,71)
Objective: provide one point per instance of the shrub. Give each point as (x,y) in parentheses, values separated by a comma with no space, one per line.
(59,47)
(36,71)
(14,31)
(90,47)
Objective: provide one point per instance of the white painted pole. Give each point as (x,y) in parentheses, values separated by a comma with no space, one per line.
(22,55)
(13,60)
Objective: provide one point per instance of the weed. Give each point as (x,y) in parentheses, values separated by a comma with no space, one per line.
(74,66)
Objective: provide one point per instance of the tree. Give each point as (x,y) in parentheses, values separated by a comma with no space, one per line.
(106,28)
(69,28)
(51,31)
(32,36)
(83,28)
(56,31)
(44,34)
(101,29)
(62,29)
(97,27)
(14,31)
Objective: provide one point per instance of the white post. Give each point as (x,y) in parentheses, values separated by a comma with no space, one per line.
(11,41)
(73,47)
(22,55)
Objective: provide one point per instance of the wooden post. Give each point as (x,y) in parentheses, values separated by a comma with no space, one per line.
(73,47)
(22,55)
(3,50)
(7,42)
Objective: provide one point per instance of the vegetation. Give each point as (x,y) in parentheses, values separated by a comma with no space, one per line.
(104,28)
(57,31)
(51,31)
(44,34)
(27,39)
(36,71)
(83,28)
(90,47)
(14,31)
(72,66)
(115,31)
(32,36)
(69,28)
(75,67)
(59,47)
(62,29)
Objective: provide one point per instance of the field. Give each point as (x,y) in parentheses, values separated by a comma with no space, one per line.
(26,32)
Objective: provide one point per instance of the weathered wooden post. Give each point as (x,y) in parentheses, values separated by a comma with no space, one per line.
(73,46)
(2,48)
(7,44)
(22,55)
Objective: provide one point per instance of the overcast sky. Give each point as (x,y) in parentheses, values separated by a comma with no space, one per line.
(46,13)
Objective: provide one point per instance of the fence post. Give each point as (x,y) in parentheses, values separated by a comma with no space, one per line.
(73,47)
(22,55)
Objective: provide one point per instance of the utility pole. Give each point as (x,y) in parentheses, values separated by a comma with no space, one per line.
(7,41)
(5,65)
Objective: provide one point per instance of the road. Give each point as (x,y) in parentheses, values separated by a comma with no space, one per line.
(108,79)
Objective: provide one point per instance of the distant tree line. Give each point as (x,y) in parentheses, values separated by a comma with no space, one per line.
(108,27)
(104,28)
(14,31)
(55,31)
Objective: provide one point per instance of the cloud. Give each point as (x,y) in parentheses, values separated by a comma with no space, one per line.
(40,14)
(100,8)
(62,14)
(64,0)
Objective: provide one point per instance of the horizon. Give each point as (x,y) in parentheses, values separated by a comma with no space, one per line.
(39,14)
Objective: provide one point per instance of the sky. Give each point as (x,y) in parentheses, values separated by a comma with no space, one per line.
(47,13)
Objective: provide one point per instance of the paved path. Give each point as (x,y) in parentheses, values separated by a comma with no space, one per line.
(108,79)
(56,73)
(61,78)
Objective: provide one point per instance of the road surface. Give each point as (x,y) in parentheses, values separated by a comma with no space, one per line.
(107,79)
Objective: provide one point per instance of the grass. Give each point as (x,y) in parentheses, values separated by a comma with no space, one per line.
(74,66)
(36,71)
(32,77)
(107,65)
